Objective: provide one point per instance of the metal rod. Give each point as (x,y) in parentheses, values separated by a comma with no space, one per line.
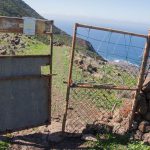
(111,30)
(69,78)
(141,79)
(25,77)
(104,87)
(24,56)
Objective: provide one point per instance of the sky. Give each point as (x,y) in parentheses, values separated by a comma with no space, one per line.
(120,10)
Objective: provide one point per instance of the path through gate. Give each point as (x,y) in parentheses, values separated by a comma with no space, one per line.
(101,81)
(25,93)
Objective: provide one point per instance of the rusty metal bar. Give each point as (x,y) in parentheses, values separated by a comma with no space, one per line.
(103,87)
(26,77)
(69,78)
(25,56)
(111,30)
(141,79)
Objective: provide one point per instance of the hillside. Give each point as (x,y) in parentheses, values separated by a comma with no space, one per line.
(18,8)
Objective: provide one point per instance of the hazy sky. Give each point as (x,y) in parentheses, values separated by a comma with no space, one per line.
(122,10)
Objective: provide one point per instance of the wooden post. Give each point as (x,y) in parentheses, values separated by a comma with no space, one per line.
(141,79)
(69,78)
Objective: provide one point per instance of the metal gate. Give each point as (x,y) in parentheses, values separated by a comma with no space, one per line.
(97,84)
(25,93)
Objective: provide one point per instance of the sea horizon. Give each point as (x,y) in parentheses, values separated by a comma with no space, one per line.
(111,52)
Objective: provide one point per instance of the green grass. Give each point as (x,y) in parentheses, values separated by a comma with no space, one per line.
(116,142)
(4,145)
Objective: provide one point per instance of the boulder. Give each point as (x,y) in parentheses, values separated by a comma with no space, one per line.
(147,129)
(138,135)
(89,137)
(146,85)
(142,126)
(146,138)
(142,106)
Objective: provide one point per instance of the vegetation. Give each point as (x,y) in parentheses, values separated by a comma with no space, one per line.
(4,145)
(115,142)
(17,8)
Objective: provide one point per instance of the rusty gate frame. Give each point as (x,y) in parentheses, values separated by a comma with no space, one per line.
(42,27)
(140,78)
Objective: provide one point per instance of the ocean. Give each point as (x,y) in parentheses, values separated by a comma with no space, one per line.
(112,46)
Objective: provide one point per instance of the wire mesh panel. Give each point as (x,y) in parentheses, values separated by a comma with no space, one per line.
(106,74)
(113,58)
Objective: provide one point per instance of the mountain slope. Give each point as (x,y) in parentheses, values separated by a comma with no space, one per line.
(18,8)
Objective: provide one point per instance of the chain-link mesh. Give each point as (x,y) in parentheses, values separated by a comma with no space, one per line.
(89,106)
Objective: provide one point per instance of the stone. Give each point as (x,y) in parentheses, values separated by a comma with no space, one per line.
(146,138)
(89,137)
(138,135)
(118,119)
(135,125)
(147,116)
(142,126)
(146,85)
(142,106)
(147,129)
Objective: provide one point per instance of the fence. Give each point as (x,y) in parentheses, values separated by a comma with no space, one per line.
(104,77)
(25,93)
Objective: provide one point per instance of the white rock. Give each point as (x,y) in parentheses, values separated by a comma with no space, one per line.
(89,137)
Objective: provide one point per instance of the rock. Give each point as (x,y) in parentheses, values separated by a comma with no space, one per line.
(119,129)
(135,125)
(146,138)
(146,85)
(143,125)
(118,119)
(3,52)
(142,106)
(126,108)
(147,116)
(147,129)
(89,137)
(97,129)
(91,69)
(138,135)
(116,116)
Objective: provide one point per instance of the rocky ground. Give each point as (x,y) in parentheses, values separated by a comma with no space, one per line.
(10,43)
